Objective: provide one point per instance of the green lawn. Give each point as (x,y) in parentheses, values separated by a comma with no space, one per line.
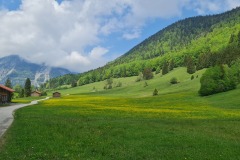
(129,123)
(27,99)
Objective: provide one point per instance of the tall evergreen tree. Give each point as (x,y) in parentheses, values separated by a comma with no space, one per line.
(171,65)
(27,87)
(165,68)
(191,68)
(8,83)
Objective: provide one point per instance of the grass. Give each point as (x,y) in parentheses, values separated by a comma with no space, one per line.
(27,99)
(128,123)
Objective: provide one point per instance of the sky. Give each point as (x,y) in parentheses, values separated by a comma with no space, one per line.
(85,34)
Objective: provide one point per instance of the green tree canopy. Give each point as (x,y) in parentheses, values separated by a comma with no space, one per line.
(217,79)
(27,87)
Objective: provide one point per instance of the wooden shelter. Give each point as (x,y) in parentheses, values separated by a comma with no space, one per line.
(56,95)
(5,94)
(36,94)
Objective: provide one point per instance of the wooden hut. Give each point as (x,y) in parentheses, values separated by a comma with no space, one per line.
(36,94)
(56,95)
(5,94)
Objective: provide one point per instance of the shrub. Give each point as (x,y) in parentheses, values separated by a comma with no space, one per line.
(158,70)
(147,74)
(192,77)
(44,93)
(119,84)
(139,78)
(145,84)
(74,84)
(155,92)
(174,80)
(217,79)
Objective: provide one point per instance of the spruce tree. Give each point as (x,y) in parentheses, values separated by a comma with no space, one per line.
(171,65)
(27,87)
(8,83)
(165,68)
(155,92)
(191,68)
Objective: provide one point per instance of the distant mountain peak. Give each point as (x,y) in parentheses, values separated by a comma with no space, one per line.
(18,69)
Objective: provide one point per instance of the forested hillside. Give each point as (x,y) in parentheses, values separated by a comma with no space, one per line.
(202,42)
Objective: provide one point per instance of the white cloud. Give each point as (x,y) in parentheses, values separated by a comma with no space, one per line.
(213,6)
(60,33)
(98,52)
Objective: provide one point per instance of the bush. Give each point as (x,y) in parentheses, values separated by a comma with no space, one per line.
(74,84)
(145,84)
(139,78)
(174,80)
(44,93)
(192,77)
(217,79)
(155,92)
(119,84)
(147,74)
(158,70)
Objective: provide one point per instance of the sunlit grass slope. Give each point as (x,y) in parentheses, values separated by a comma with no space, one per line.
(136,89)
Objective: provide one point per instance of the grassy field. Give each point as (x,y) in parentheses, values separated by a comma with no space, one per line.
(27,99)
(129,123)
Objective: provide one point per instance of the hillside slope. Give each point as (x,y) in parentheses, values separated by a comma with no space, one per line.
(183,35)
(207,40)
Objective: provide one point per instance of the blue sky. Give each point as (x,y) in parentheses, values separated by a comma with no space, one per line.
(84,34)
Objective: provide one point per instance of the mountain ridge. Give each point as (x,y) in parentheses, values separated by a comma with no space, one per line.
(18,69)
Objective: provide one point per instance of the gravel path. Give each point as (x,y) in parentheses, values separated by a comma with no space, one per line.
(6,115)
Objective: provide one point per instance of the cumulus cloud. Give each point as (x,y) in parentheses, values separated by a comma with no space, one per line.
(214,6)
(59,34)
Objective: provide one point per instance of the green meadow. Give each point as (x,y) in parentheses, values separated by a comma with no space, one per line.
(127,122)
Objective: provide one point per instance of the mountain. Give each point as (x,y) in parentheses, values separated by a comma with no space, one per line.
(203,40)
(18,69)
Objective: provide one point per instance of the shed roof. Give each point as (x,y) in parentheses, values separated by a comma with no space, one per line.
(6,88)
(36,92)
(57,92)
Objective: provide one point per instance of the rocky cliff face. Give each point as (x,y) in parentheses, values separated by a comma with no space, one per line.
(18,69)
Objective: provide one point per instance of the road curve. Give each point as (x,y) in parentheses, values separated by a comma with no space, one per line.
(6,115)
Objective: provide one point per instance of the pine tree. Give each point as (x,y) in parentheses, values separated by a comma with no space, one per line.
(171,65)
(155,92)
(8,83)
(191,68)
(165,68)
(239,38)
(27,87)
